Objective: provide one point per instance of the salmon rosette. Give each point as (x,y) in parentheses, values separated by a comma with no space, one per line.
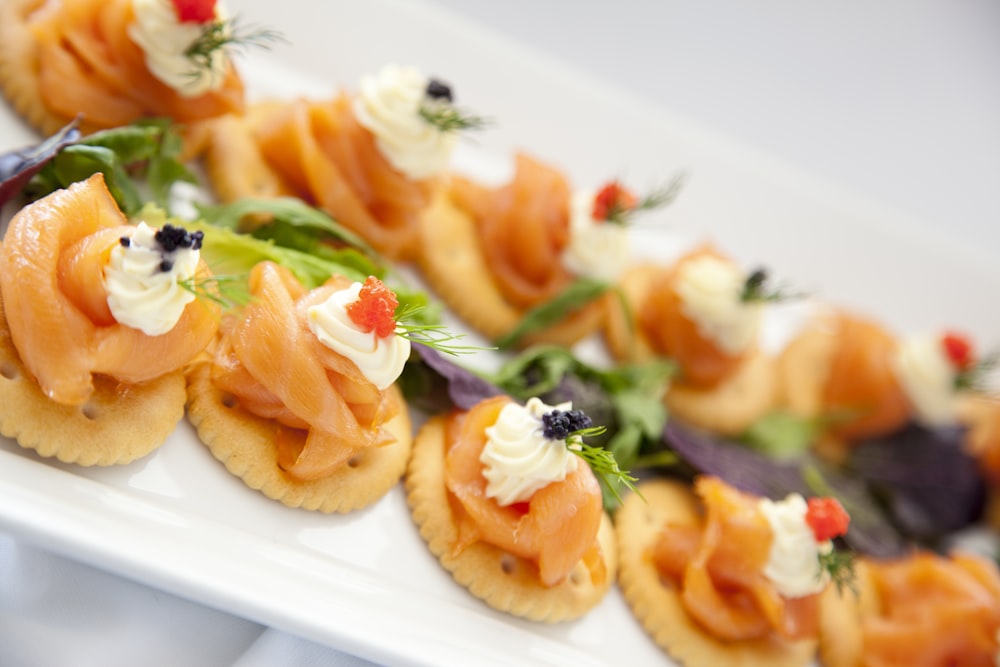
(116,61)
(511,511)
(528,245)
(372,159)
(91,300)
(717,576)
(867,382)
(922,610)
(704,312)
(299,399)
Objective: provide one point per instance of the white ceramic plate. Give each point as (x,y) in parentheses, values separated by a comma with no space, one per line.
(365,582)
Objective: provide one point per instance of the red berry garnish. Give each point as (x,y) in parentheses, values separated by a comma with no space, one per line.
(375,309)
(195,11)
(612,200)
(959,351)
(827,518)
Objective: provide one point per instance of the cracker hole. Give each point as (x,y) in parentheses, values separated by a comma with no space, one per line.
(9,371)
(229,401)
(575,578)
(354,461)
(508,564)
(90,411)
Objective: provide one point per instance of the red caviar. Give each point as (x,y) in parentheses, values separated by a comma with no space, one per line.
(612,199)
(195,11)
(827,518)
(958,350)
(375,309)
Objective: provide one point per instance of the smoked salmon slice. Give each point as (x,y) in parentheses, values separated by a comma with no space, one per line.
(556,528)
(270,360)
(718,566)
(51,267)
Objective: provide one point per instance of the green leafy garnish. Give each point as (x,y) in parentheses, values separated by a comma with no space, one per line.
(433,335)
(227,291)
(226,35)
(579,293)
(782,435)
(839,565)
(134,159)
(446,117)
(756,288)
(600,460)
(613,205)
(976,377)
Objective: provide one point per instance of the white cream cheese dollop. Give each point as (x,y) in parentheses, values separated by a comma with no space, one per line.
(518,459)
(928,378)
(710,289)
(388,105)
(597,248)
(164,39)
(380,360)
(793,563)
(141,294)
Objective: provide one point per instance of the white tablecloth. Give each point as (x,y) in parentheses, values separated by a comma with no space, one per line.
(898,99)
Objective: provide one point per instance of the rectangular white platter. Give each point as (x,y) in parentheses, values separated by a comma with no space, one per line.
(365,582)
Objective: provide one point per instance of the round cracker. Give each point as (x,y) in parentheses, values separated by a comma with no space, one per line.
(118,424)
(841,641)
(246,445)
(657,604)
(730,407)
(624,337)
(804,365)
(452,261)
(504,581)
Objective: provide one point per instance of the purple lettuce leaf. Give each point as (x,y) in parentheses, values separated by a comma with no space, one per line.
(436,383)
(17,167)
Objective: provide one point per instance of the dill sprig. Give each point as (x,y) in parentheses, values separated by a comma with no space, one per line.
(756,288)
(434,336)
(839,565)
(228,291)
(227,35)
(448,118)
(620,212)
(976,377)
(600,460)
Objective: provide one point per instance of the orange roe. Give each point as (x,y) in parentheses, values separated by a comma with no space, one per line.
(612,199)
(375,309)
(827,518)
(195,11)
(958,349)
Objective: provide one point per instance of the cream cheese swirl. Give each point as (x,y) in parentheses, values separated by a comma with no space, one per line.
(380,360)
(388,104)
(711,291)
(793,565)
(164,40)
(928,378)
(142,281)
(597,248)
(518,459)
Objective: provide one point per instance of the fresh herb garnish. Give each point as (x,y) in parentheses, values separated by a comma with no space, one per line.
(572,426)
(616,204)
(446,117)
(976,376)
(228,291)
(226,35)
(756,288)
(839,565)
(433,335)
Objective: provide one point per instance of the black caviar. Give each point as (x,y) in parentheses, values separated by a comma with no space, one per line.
(438,90)
(171,238)
(559,424)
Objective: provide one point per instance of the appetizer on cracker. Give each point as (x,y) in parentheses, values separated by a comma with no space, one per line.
(704,313)
(372,159)
(115,61)
(535,258)
(298,398)
(506,500)
(100,321)
(920,610)
(720,577)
